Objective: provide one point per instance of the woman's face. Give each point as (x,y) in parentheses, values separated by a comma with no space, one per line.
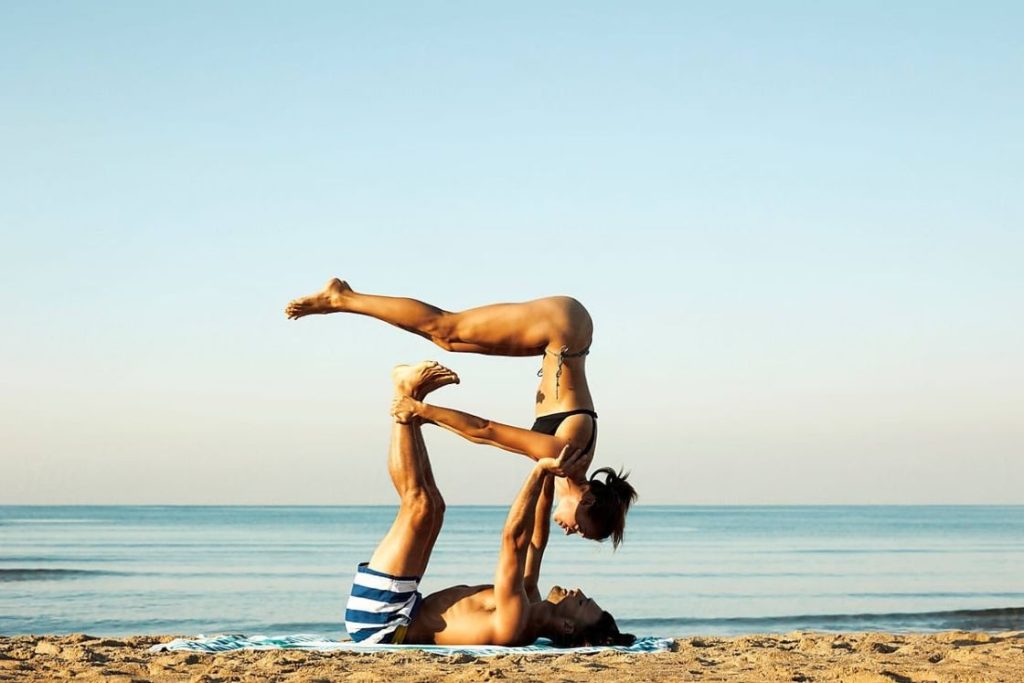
(565,514)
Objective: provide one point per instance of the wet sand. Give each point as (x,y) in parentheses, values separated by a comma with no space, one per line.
(801,657)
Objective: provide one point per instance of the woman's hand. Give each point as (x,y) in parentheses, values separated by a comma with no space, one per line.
(404,408)
(570,464)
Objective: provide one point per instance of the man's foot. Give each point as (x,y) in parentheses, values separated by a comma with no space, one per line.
(330,299)
(435,382)
(419,380)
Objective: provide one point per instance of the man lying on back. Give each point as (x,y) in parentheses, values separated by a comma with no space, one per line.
(385,605)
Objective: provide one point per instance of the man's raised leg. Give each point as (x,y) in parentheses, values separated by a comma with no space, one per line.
(405,549)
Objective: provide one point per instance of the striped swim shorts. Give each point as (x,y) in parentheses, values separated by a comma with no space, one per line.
(380,606)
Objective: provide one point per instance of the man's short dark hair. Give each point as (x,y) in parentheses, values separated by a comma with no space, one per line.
(603,632)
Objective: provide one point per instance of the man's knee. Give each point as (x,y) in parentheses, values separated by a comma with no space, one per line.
(439,508)
(421,507)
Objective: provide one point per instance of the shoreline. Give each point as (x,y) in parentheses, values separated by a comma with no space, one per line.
(872,657)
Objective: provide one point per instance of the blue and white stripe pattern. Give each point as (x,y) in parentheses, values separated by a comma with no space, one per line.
(379,605)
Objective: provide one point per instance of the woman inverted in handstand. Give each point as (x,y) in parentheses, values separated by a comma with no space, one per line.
(557,328)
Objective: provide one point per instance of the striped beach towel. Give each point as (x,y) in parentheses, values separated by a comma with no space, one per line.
(232,642)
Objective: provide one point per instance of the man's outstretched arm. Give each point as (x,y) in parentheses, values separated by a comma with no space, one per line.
(510,597)
(510,600)
(539,540)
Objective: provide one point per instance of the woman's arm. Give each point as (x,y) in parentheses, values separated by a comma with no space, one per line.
(478,430)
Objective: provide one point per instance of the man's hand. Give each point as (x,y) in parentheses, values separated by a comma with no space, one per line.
(404,408)
(570,464)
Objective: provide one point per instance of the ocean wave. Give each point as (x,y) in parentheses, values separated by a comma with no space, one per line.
(997,619)
(50,558)
(53,520)
(180,627)
(51,573)
(959,550)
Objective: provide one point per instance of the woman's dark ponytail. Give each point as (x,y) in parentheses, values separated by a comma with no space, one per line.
(616,482)
(602,512)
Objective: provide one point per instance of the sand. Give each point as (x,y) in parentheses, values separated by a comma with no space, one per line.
(800,657)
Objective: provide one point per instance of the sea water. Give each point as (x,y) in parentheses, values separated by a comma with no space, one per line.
(683,570)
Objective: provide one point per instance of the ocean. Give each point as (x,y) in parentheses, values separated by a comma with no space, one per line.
(682,570)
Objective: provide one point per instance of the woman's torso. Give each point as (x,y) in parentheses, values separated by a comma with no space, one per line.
(563,379)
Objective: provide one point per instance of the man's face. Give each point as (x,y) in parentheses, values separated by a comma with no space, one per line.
(575,606)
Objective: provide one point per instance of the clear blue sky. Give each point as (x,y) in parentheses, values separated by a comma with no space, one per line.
(798,227)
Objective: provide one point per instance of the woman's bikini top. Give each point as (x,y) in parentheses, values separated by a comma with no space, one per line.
(548,424)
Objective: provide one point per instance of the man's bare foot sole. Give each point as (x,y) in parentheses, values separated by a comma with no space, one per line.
(435,382)
(330,299)
(419,380)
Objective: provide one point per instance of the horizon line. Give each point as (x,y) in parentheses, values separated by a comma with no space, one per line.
(503,506)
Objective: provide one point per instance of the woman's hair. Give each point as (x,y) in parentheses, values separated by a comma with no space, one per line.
(604,632)
(602,510)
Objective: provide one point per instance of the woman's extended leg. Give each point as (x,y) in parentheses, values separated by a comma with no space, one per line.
(405,550)
(516,329)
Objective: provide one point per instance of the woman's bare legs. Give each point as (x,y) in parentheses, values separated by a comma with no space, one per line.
(516,329)
(405,550)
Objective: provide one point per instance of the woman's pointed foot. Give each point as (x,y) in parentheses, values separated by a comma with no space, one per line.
(330,299)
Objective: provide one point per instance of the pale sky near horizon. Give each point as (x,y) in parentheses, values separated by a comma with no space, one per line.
(799,228)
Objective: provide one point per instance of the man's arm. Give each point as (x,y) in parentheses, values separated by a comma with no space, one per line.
(539,540)
(510,600)
(478,430)
(510,596)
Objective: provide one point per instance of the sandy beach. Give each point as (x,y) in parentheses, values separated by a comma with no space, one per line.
(801,657)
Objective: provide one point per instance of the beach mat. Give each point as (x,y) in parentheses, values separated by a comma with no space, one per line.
(302,641)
